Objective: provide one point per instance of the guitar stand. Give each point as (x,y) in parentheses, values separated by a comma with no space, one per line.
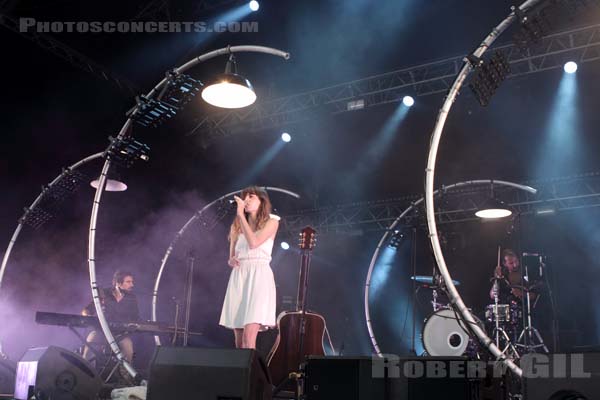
(279,393)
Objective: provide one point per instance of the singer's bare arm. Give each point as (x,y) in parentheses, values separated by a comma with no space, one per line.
(231,245)
(257,238)
(233,261)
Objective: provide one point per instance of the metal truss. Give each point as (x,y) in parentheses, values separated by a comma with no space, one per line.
(72,56)
(553,196)
(581,45)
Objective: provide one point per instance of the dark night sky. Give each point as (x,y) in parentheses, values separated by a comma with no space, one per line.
(54,114)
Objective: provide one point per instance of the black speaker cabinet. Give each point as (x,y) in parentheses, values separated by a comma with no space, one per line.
(55,373)
(219,374)
(390,378)
(569,374)
(341,377)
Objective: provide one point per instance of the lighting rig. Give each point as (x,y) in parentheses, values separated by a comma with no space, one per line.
(179,90)
(488,75)
(124,152)
(52,196)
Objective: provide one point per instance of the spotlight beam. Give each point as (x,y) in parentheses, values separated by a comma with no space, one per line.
(261,163)
(561,149)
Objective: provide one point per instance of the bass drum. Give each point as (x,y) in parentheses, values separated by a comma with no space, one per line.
(443,335)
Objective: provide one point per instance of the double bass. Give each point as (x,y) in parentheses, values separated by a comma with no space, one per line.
(301,332)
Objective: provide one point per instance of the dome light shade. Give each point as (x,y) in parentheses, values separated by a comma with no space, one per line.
(229,90)
(493,208)
(112,185)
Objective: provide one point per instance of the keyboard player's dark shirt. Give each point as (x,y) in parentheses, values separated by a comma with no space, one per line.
(125,310)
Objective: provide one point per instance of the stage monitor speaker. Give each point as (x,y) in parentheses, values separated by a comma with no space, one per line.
(572,377)
(55,373)
(198,373)
(7,378)
(366,378)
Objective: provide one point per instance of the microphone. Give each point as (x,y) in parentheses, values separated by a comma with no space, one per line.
(531,254)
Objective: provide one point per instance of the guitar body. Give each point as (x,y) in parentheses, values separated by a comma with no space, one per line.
(300,332)
(291,348)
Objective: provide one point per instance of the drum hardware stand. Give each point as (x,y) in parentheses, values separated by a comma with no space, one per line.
(529,333)
(434,302)
(499,330)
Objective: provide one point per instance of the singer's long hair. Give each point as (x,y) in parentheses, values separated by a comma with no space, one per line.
(262,216)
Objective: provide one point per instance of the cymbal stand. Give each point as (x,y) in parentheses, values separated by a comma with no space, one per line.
(529,334)
(498,330)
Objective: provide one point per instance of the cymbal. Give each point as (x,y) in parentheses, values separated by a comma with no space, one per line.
(427,280)
(531,288)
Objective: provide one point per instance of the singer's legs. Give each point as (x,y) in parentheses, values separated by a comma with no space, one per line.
(238,333)
(249,336)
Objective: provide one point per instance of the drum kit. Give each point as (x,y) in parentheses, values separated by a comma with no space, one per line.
(509,324)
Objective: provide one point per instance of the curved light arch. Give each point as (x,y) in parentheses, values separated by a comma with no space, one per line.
(395,223)
(430,178)
(102,182)
(37,200)
(180,233)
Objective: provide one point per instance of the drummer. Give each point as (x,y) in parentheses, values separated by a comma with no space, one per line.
(510,279)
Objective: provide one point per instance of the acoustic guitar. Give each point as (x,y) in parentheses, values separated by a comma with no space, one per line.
(300,332)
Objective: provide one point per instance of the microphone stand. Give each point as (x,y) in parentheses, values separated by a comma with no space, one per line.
(188,298)
(555,330)
(176,321)
(413,256)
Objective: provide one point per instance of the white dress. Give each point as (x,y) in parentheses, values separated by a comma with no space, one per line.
(250,296)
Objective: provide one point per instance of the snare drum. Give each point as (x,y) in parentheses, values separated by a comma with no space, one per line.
(443,335)
(502,311)
(509,313)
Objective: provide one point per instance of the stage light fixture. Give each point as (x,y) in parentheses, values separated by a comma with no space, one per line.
(114,183)
(229,90)
(285,245)
(408,101)
(570,67)
(488,76)
(126,151)
(493,208)
(395,240)
(286,137)
(254,6)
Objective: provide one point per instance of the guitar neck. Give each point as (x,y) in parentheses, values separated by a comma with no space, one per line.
(303,281)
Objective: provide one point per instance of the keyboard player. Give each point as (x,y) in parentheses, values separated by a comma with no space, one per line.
(119,304)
